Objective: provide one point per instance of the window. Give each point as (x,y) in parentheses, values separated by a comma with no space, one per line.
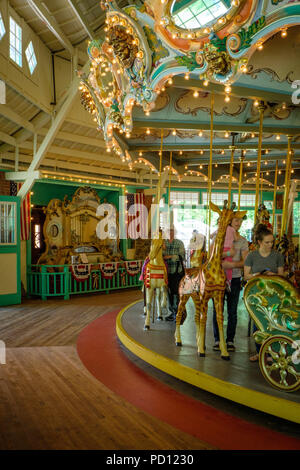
(31,58)
(2,27)
(15,42)
(269,205)
(199,13)
(7,223)
(216,198)
(181,198)
(296,218)
(247,200)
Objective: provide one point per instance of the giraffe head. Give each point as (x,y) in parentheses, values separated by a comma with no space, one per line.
(156,246)
(226,216)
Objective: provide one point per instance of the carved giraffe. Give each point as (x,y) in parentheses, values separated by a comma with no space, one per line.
(213,282)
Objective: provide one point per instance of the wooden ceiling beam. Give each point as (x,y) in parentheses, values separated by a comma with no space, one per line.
(48,19)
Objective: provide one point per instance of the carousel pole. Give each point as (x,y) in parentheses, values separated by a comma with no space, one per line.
(232,147)
(274,195)
(261,109)
(242,157)
(210,165)
(159,181)
(170,179)
(286,188)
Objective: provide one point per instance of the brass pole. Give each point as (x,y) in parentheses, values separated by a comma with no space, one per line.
(230,173)
(240,179)
(286,188)
(274,195)
(261,117)
(159,181)
(210,164)
(170,179)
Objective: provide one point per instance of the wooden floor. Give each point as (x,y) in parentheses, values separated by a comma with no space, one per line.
(48,400)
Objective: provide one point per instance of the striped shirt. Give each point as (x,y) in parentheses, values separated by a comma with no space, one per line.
(176,247)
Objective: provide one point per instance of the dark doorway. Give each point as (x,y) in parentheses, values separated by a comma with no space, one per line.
(37,236)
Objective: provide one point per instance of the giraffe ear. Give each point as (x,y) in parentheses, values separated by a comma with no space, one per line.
(215,208)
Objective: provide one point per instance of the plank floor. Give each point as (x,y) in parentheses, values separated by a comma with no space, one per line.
(48,400)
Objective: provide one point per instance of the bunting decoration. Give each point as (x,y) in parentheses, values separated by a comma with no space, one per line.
(108,269)
(81,272)
(133,267)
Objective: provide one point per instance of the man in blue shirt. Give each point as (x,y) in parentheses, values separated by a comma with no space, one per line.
(173,250)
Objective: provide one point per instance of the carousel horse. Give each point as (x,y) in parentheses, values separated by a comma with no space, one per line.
(155,277)
(212,281)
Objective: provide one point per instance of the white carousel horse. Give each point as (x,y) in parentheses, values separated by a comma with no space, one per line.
(155,277)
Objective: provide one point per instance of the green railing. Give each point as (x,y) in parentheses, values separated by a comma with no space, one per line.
(57,280)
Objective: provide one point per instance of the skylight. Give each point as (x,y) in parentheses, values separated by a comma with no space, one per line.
(15,42)
(31,58)
(2,27)
(199,13)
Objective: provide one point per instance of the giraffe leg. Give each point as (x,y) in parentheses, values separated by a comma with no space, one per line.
(149,297)
(202,326)
(219,306)
(197,303)
(181,309)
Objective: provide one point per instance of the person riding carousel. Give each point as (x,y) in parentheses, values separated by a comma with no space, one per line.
(264,260)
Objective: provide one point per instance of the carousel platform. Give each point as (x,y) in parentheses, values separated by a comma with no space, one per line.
(237,380)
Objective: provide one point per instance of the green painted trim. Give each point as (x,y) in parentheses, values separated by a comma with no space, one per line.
(15,298)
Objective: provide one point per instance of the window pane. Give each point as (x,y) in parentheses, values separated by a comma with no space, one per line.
(2,27)
(7,222)
(217,10)
(15,39)
(197,7)
(193,23)
(205,17)
(296,218)
(185,15)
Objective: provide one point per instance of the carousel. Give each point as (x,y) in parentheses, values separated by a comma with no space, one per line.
(145,51)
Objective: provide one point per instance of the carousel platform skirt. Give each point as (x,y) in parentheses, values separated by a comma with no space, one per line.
(238,380)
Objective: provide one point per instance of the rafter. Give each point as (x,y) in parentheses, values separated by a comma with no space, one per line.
(43,13)
(47,142)
(81,17)
(8,113)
